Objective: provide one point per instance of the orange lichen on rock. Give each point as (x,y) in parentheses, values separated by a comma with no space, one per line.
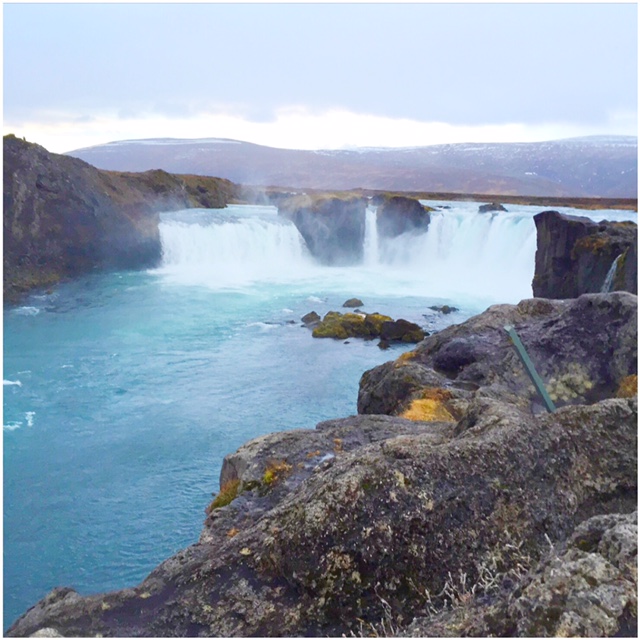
(431,407)
(276,470)
(628,387)
(404,358)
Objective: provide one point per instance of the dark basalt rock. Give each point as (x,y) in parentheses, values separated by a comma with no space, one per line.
(583,349)
(445,308)
(311,319)
(489,208)
(329,531)
(401,331)
(366,510)
(332,227)
(398,215)
(574,255)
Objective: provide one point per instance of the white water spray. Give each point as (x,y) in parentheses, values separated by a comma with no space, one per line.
(611,274)
(463,254)
(232,248)
(370,249)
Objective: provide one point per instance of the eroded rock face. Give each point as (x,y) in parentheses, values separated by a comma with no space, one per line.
(385,516)
(574,255)
(368,518)
(63,217)
(398,215)
(332,227)
(583,349)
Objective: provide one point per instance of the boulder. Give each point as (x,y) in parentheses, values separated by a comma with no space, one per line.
(353,303)
(401,331)
(350,325)
(574,255)
(311,319)
(398,214)
(332,227)
(584,349)
(445,309)
(368,326)
(491,207)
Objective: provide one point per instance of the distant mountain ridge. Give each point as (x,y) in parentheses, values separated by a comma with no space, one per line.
(595,166)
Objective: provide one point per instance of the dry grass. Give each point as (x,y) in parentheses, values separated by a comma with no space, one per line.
(276,470)
(228,493)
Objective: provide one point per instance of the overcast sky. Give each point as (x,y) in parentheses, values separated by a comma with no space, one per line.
(319,75)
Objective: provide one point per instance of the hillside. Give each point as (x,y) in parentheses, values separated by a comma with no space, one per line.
(598,166)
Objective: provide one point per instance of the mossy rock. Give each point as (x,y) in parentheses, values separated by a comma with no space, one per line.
(350,325)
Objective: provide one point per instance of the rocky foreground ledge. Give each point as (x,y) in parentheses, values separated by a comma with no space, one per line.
(477,513)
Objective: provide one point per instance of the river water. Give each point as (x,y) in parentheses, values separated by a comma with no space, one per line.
(124,391)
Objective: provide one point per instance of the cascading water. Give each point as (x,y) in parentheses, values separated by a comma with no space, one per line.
(461,253)
(370,251)
(611,274)
(230,248)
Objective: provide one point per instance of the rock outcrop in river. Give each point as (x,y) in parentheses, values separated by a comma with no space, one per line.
(574,255)
(398,214)
(332,226)
(464,510)
(63,217)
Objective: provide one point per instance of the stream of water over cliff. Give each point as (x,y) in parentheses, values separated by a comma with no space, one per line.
(124,391)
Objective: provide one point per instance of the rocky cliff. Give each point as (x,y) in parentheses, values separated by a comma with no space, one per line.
(452,505)
(332,226)
(63,217)
(397,215)
(574,255)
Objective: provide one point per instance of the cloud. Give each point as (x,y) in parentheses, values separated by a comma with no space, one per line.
(295,127)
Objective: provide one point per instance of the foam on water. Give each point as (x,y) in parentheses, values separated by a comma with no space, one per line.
(26,311)
(9,383)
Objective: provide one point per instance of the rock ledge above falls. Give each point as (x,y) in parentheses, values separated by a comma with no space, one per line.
(574,255)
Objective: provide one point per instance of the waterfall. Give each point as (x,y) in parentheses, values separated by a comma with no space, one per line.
(370,249)
(464,252)
(460,254)
(232,247)
(611,274)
